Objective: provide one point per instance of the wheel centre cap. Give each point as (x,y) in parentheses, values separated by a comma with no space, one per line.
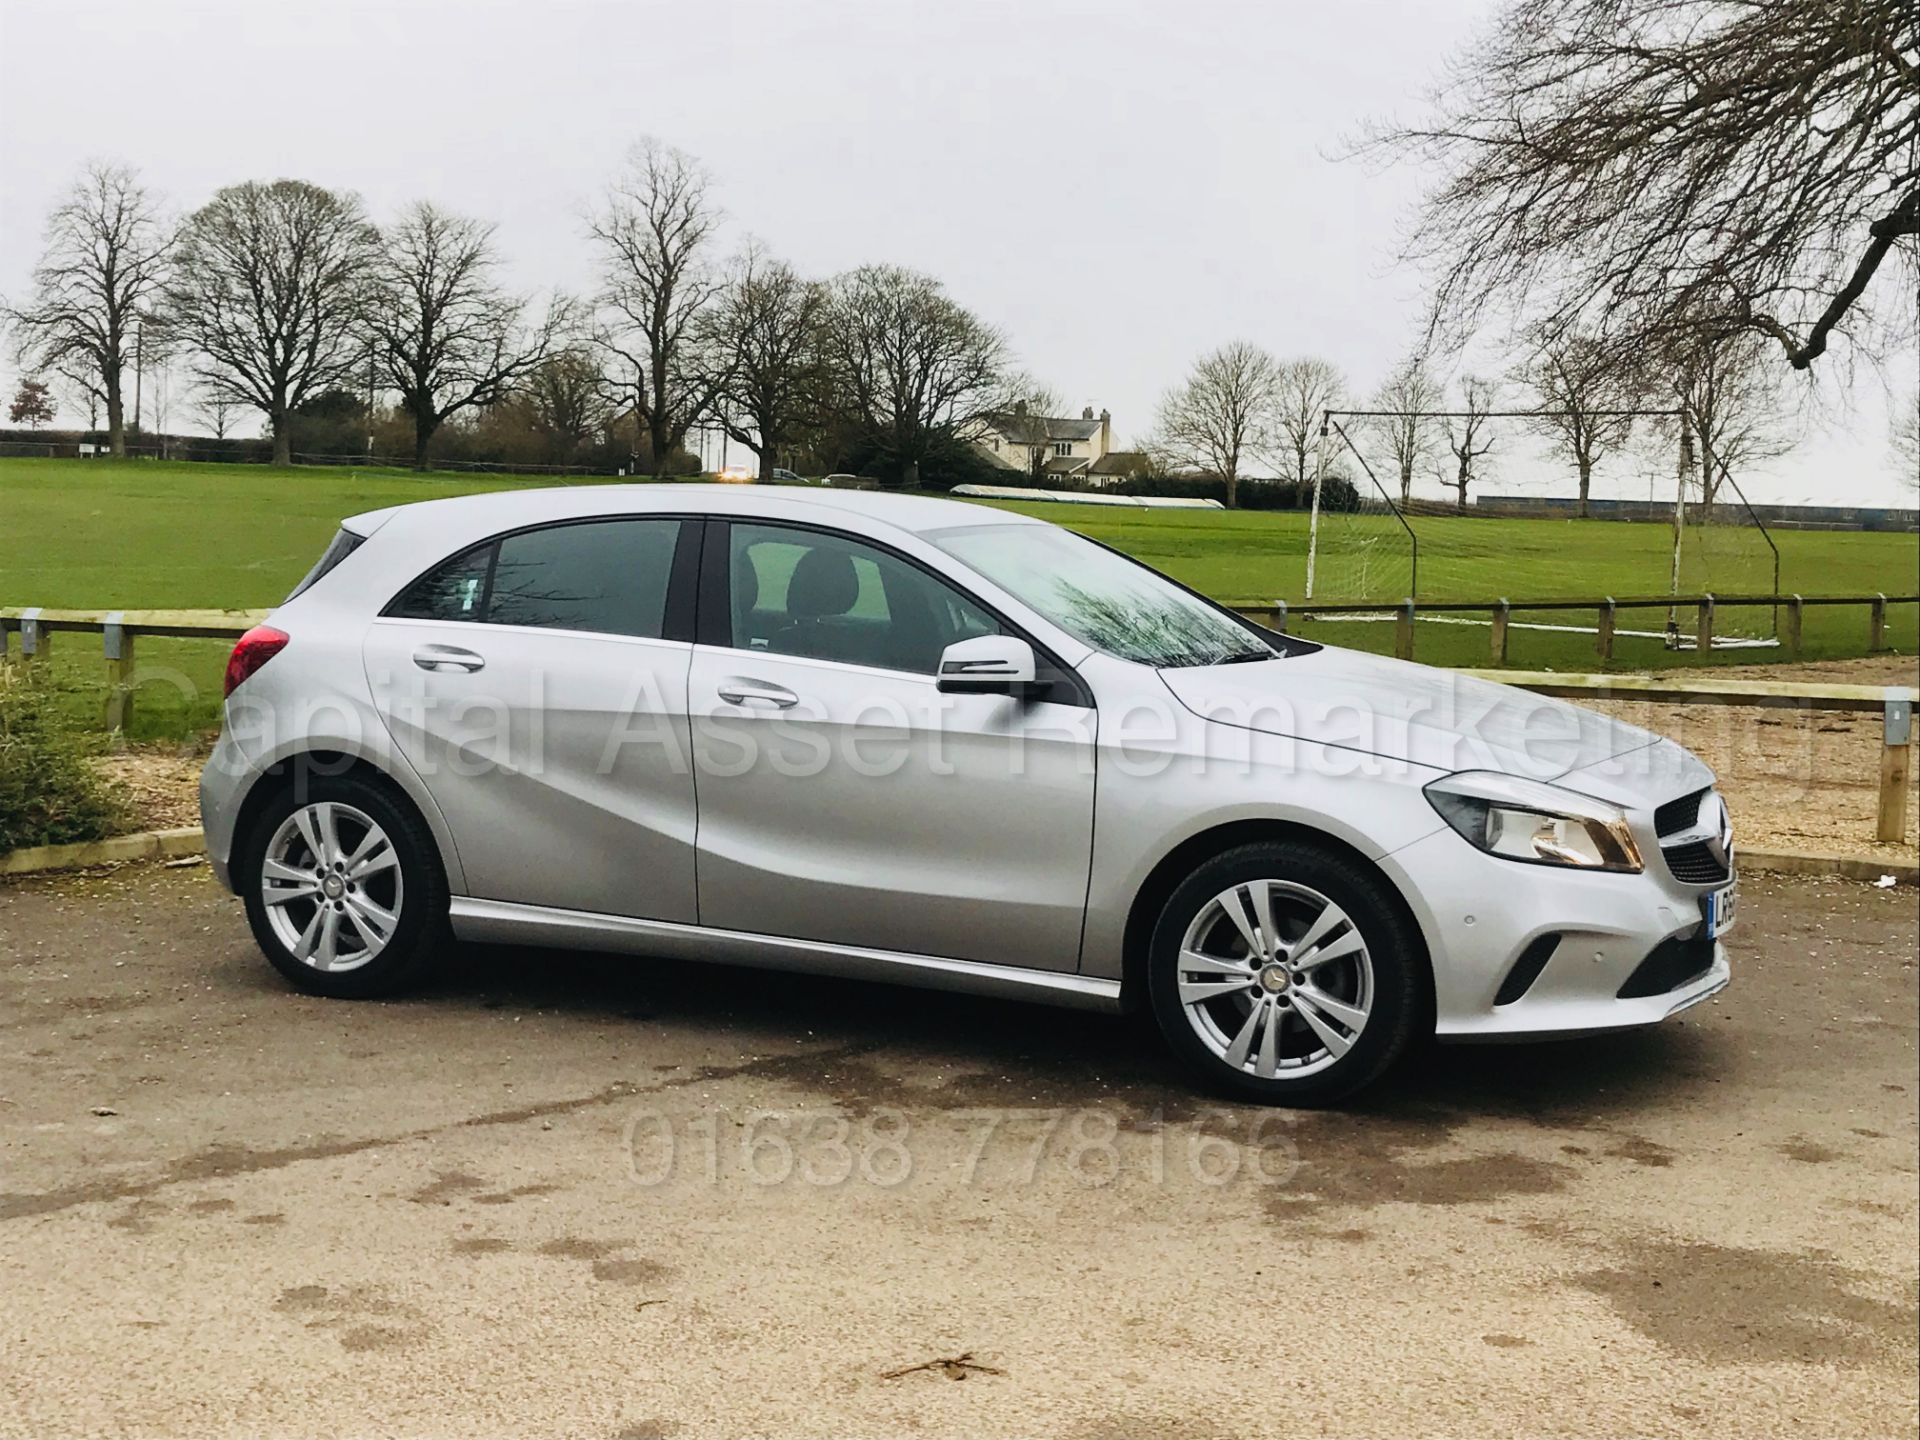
(333,887)
(1274,979)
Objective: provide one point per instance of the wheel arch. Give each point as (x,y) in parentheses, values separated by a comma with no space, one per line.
(290,770)
(1197,849)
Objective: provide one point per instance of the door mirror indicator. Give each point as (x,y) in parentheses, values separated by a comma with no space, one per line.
(988,665)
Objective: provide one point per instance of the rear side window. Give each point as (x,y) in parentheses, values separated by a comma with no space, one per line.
(343,544)
(455,590)
(606,576)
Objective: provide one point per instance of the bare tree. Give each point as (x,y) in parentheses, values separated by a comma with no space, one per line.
(445,334)
(1906,440)
(1732,400)
(106,257)
(1307,389)
(655,235)
(1579,393)
(219,410)
(1469,434)
(564,392)
(1404,427)
(1633,169)
(770,317)
(913,373)
(271,288)
(1222,414)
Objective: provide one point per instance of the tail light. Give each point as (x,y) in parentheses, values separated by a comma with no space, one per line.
(256,647)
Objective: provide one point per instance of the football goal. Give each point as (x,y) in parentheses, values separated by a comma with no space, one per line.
(1476,505)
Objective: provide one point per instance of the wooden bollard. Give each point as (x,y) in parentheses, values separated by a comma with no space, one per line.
(1403,631)
(1877,625)
(1795,627)
(117,642)
(1603,640)
(1896,769)
(35,638)
(1502,613)
(1703,637)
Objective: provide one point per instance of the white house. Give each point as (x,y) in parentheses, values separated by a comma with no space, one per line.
(1056,446)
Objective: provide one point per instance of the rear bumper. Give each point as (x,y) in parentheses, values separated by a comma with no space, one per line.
(224,782)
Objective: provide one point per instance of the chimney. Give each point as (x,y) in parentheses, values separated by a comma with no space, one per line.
(1019,407)
(1087,414)
(1106,431)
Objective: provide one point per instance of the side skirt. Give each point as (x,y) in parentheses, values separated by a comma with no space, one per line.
(502,922)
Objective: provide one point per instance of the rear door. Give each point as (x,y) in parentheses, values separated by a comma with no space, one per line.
(538,684)
(844,798)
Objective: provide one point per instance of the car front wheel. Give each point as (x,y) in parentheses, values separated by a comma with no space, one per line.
(1283,973)
(343,888)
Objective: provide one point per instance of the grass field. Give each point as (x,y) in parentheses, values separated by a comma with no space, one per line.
(146,534)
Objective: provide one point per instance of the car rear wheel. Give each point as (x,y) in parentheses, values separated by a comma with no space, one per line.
(1284,973)
(344,889)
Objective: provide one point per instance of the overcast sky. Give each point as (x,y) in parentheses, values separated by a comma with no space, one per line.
(1117,185)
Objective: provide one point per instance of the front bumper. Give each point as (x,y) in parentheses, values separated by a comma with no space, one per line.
(1480,915)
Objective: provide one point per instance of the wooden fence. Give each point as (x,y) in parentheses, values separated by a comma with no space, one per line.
(1705,610)
(119,629)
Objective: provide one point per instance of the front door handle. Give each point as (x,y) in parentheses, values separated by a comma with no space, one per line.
(746,691)
(442,658)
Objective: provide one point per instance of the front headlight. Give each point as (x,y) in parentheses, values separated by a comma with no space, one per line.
(1541,824)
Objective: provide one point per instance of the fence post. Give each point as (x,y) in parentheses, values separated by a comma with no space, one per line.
(117,644)
(1703,638)
(35,639)
(1896,767)
(1796,615)
(1603,642)
(1502,612)
(1403,631)
(1877,625)
(1280,616)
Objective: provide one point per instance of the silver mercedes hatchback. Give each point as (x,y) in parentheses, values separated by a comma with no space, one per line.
(922,741)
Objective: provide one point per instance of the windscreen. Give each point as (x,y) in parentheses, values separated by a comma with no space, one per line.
(1103,598)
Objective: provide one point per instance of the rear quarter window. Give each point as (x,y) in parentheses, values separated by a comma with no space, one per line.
(343,544)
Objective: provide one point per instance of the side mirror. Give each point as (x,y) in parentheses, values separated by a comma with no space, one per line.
(988,665)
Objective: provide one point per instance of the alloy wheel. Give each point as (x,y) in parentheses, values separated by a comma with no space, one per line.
(1275,979)
(331,884)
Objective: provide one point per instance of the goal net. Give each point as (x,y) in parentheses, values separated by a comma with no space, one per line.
(1661,519)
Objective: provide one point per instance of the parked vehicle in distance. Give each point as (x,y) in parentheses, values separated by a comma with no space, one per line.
(734,475)
(917,740)
(787,477)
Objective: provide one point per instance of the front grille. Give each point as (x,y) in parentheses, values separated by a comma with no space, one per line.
(1674,962)
(1676,815)
(1695,864)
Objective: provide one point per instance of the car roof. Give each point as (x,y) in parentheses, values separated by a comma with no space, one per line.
(492,511)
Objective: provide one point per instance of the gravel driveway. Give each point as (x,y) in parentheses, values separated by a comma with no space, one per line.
(568,1196)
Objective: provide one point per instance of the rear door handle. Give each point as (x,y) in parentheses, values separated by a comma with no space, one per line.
(746,691)
(442,658)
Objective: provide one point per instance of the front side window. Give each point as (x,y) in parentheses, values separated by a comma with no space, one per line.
(605,576)
(827,597)
(1103,599)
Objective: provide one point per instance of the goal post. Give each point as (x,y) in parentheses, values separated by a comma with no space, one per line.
(1366,548)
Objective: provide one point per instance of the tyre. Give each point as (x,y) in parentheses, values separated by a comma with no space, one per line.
(344,888)
(1285,974)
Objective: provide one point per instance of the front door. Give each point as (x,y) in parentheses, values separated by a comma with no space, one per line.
(844,798)
(531,683)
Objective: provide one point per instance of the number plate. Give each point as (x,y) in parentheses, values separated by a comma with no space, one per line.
(1719,908)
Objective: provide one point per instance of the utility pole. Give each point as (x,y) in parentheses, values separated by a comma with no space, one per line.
(139,368)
